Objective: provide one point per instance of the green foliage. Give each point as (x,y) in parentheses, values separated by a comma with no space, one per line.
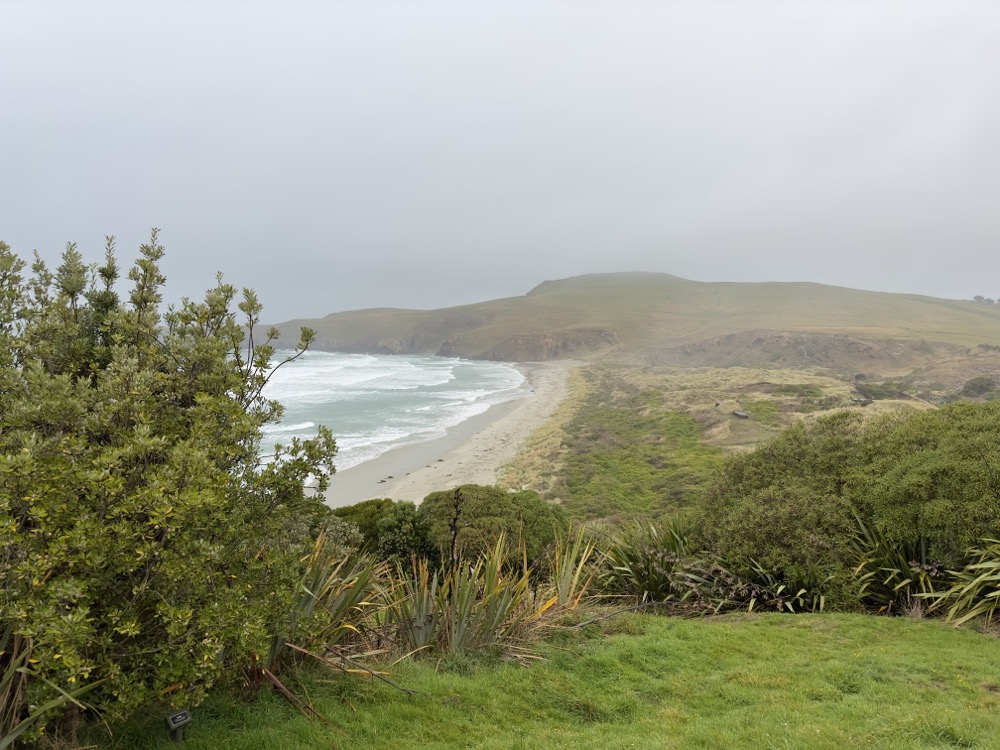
(895,577)
(574,563)
(468,608)
(16,675)
(403,535)
(978,386)
(933,475)
(785,527)
(366,516)
(627,453)
(793,504)
(782,504)
(414,609)
(982,387)
(792,589)
(644,562)
(480,605)
(976,588)
(147,547)
(535,526)
(397,532)
(465,522)
(656,563)
(888,389)
(338,589)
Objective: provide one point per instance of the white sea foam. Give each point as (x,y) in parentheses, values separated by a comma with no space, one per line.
(272,429)
(375,403)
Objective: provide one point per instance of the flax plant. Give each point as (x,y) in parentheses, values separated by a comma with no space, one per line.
(574,566)
(473,606)
(976,591)
(339,589)
(895,577)
(482,606)
(646,561)
(414,607)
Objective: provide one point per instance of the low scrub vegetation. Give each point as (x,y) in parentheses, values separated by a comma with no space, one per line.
(638,442)
(626,454)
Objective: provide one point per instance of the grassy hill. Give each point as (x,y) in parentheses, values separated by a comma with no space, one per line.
(760,681)
(662,319)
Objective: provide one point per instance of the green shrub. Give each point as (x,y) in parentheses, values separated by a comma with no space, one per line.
(782,504)
(934,475)
(403,534)
(793,503)
(978,386)
(366,516)
(465,522)
(147,549)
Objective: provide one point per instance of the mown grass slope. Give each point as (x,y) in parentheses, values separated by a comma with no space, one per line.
(745,681)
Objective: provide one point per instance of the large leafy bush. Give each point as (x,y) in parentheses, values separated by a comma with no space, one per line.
(783,505)
(145,544)
(464,523)
(933,475)
(915,480)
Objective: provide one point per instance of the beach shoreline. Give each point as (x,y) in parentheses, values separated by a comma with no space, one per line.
(472,452)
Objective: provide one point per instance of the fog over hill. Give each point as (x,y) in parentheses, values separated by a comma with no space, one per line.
(663,319)
(338,155)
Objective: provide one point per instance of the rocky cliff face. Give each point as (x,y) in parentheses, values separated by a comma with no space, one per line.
(577,342)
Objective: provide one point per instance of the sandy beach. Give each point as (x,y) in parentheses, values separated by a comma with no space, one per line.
(471,452)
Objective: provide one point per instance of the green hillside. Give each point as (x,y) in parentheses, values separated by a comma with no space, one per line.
(668,320)
(822,682)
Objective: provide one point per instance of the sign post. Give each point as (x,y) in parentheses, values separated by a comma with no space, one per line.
(176,723)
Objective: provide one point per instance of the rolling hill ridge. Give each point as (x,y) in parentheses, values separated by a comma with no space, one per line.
(665,320)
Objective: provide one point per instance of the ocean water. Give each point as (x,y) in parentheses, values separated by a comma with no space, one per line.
(374,403)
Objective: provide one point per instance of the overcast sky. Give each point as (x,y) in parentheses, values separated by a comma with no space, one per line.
(342,155)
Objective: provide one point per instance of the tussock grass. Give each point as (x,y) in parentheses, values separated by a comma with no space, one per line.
(636,440)
(633,440)
(533,467)
(767,681)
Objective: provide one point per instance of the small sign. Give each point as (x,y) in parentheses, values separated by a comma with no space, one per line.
(178,719)
(176,723)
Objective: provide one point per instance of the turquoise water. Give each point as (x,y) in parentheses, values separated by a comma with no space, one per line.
(374,403)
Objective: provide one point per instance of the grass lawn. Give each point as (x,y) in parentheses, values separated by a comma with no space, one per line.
(644,681)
